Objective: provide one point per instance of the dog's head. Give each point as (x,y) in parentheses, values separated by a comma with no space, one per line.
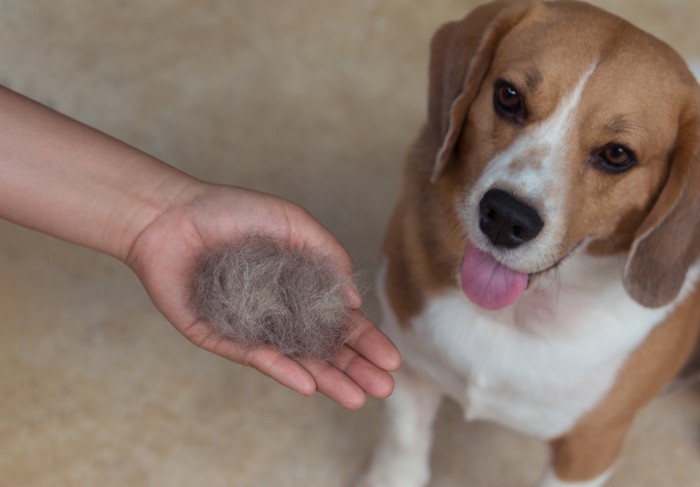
(557,125)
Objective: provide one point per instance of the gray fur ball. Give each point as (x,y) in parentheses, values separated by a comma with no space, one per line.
(261,293)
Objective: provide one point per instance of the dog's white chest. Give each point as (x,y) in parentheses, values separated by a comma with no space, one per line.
(538,365)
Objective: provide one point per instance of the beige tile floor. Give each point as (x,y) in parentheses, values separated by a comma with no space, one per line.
(313,100)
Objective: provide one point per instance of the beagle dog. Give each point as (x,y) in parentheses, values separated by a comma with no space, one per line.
(540,267)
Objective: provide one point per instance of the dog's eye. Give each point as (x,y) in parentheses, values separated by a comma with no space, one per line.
(508,101)
(615,158)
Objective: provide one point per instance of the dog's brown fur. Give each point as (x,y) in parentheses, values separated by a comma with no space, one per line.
(648,216)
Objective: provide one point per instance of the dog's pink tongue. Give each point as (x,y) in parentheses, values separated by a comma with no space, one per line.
(489,283)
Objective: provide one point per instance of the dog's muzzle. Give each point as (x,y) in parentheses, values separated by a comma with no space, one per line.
(507,223)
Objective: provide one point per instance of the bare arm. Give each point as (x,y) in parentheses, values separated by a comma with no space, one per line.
(70,181)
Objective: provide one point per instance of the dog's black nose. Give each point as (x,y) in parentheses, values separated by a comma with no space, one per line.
(506,221)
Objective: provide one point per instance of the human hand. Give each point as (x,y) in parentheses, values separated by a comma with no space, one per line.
(85,187)
(205,216)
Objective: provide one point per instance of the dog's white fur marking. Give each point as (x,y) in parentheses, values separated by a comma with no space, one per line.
(540,364)
(551,480)
(402,459)
(536,366)
(541,150)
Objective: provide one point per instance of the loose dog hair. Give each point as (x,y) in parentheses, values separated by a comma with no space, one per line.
(260,292)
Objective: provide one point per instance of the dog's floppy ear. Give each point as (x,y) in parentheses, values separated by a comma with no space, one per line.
(668,241)
(460,56)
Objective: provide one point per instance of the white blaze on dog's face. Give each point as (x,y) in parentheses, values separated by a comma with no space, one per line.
(531,169)
(582,147)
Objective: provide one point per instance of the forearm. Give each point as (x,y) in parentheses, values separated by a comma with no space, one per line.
(75,183)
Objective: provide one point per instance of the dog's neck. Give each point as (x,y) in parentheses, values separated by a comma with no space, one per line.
(577,287)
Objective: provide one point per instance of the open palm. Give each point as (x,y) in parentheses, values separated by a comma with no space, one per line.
(164,257)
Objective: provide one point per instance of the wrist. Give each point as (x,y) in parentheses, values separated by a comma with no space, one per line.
(162,194)
(72,182)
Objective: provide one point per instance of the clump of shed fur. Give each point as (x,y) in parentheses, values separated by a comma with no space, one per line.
(259,292)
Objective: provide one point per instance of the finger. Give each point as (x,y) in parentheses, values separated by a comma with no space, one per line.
(284,370)
(339,260)
(271,363)
(373,380)
(319,239)
(353,295)
(372,344)
(333,383)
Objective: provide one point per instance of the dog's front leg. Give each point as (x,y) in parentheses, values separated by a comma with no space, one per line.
(402,457)
(586,456)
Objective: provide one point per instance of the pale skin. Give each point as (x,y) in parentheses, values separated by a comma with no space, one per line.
(75,183)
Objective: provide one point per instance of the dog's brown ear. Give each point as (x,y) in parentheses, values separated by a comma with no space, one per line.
(460,57)
(668,241)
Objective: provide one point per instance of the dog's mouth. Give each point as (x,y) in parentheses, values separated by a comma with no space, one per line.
(489,283)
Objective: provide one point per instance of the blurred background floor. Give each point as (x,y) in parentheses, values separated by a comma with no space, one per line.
(313,100)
